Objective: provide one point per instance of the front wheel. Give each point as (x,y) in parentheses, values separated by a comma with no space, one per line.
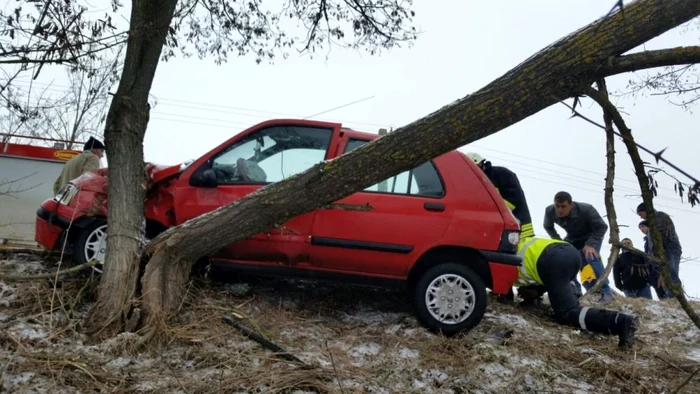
(91,244)
(450,298)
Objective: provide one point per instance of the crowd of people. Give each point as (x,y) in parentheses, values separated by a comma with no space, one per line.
(552,265)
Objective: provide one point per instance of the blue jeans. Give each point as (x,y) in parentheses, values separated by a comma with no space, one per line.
(641,293)
(674,260)
(598,269)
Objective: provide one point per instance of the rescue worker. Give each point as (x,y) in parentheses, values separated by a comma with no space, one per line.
(553,263)
(89,160)
(508,185)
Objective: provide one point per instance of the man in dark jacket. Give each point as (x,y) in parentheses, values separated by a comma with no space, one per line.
(671,244)
(508,185)
(585,229)
(631,272)
(654,277)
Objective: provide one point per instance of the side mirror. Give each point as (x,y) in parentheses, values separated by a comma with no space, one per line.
(206,178)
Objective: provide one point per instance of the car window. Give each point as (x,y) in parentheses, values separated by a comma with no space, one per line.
(423,180)
(272,154)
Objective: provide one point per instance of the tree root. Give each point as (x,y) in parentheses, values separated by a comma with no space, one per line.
(259,339)
(21,278)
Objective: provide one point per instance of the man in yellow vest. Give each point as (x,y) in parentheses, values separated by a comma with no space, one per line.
(554,263)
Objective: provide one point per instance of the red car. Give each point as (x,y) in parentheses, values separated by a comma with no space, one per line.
(440,228)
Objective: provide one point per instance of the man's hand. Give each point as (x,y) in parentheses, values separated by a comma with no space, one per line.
(590,252)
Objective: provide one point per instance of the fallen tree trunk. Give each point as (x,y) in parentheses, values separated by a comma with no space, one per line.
(555,73)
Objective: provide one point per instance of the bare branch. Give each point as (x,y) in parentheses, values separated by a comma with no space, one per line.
(614,114)
(650,59)
(609,201)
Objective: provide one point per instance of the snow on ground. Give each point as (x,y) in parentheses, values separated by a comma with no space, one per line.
(351,339)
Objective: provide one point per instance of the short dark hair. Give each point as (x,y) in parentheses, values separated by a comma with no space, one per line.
(641,208)
(643,223)
(562,197)
(623,240)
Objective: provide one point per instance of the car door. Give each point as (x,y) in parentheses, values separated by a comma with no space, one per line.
(407,213)
(264,156)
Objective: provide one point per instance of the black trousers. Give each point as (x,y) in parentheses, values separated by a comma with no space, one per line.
(557,266)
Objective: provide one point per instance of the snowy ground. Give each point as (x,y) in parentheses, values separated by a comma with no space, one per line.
(351,339)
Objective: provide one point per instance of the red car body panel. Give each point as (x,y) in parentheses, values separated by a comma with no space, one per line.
(384,242)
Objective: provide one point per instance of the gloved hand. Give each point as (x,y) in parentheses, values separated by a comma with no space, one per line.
(587,274)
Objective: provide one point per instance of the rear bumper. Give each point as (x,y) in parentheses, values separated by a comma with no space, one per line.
(48,226)
(504,270)
(502,258)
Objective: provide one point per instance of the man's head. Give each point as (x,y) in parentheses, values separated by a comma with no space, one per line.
(95,146)
(477,159)
(642,211)
(627,242)
(644,226)
(563,204)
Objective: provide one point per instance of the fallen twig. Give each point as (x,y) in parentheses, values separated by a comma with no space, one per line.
(686,381)
(259,339)
(20,278)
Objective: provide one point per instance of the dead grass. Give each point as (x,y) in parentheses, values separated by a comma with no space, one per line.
(350,339)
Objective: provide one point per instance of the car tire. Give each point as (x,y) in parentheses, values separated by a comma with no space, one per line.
(450,298)
(91,242)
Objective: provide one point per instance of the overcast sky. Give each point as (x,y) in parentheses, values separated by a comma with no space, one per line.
(464,46)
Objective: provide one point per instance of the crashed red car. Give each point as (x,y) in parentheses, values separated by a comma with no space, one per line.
(441,228)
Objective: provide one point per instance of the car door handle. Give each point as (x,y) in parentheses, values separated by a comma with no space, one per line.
(434,206)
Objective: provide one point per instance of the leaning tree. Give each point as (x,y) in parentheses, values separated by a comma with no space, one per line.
(563,70)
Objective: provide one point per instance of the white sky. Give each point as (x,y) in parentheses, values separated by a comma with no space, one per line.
(465,45)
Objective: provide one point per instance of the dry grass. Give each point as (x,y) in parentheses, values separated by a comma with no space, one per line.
(350,339)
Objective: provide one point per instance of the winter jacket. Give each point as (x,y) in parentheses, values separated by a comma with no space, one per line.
(668,234)
(75,167)
(630,272)
(508,185)
(584,226)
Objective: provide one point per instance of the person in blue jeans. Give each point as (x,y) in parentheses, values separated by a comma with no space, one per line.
(585,230)
(671,244)
(631,273)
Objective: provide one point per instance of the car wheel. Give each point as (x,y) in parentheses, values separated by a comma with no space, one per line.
(91,244)
(450,298)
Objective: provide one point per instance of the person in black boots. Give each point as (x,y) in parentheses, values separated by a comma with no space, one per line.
(554,263)
(631,273)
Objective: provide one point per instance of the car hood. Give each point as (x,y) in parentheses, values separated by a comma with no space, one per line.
(96,181)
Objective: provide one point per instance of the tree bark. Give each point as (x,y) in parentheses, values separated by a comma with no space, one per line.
(609,199)
(125,129)
(555,73)
(650,59)
(638,164)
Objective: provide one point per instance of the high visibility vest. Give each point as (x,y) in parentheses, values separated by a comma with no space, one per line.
(530,249)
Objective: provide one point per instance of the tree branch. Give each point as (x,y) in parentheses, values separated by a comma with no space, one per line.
(650,59)
(50,275)
(611,111)
(609,203)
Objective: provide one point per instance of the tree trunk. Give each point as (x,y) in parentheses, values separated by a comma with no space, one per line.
(125,128)
(555,73)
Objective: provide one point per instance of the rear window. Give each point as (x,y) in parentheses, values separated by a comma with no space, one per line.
(423,180)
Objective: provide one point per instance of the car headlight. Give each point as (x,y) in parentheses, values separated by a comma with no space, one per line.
(66,194)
